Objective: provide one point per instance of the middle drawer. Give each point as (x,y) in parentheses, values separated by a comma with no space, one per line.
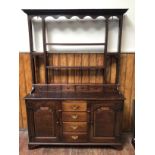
(74,116)
(75,126)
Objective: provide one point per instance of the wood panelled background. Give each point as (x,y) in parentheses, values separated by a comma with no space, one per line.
(127,79)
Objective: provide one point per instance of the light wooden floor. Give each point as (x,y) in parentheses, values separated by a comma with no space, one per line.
(23,150)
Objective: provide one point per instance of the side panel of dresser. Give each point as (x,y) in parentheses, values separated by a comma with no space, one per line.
(43,120)
(106,118)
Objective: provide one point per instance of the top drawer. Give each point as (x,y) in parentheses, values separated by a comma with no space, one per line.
(74,106)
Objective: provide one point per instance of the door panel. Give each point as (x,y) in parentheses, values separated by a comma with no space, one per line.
(105,121)
(42,121)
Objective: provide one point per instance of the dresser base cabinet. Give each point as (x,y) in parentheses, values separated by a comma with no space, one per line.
(74,122)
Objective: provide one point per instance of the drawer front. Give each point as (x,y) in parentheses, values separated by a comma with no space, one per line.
(74,106)
(75,126)
(74,116)
(74,137)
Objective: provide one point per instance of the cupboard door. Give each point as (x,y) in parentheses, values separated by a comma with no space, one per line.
(42,121)
(105,122)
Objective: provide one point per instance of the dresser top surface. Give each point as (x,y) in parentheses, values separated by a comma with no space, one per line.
(75,95)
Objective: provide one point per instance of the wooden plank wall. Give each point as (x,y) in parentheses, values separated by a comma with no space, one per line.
(126,77)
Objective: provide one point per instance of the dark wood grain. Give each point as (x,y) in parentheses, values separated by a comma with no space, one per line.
(74,137)
(74,126)
(57,79)
(102,103)
(74,116)
(46,122)
(74,106)
(22,92)
(73,12)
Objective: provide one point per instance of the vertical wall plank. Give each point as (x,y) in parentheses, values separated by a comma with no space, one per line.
(36,69)
(41,70)
(128,91)
(132,91)
(27,71)
(99,73)
(56,62)
(92,73)
(109,62)
(71,73)
(123,67)
(20,117)
(85,73)
(78,62)
(123,71)
(113,71)
(50,71)
(22,90)
(63,62)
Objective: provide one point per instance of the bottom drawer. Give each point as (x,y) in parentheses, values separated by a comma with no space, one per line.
(74,137)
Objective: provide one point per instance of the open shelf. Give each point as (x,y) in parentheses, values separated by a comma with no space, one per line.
(75,44)
(76,67)
(81,13)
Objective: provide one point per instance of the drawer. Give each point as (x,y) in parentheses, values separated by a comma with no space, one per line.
(74,106)
(74,137)
(74,116)
(75,126)
(41,104)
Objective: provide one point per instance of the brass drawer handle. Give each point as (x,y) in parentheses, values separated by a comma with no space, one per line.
(75,137)
(75,107)
(74,116)
(74,127)
(105,108)
(44,108)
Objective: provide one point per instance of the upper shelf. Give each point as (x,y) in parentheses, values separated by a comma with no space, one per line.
(75,12)
(76,44)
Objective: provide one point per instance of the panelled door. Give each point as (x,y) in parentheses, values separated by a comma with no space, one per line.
(43,121)
(105,121)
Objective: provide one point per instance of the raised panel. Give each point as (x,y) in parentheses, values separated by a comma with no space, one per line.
(44,122)
(104,121)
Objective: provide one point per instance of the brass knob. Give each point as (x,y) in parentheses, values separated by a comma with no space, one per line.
(75,107)
(75,137)
(74,116)
(74,127)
